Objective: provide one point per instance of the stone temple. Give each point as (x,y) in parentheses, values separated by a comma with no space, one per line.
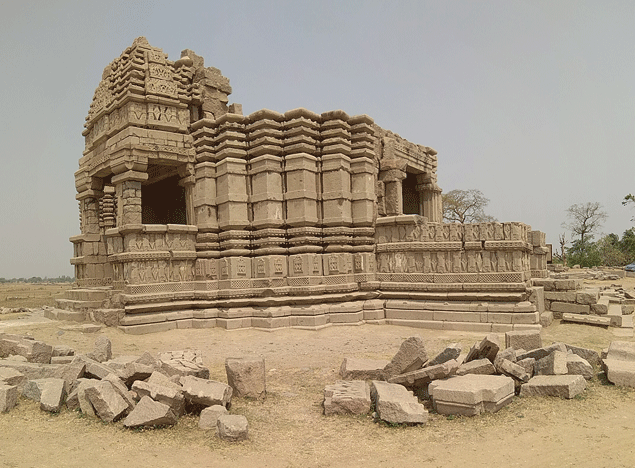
(194,215)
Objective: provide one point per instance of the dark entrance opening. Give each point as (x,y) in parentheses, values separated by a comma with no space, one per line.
(411,199)
(163,202)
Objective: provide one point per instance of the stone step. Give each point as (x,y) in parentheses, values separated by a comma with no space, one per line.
(75,305)
(86,294)
(68,315)
(601,320)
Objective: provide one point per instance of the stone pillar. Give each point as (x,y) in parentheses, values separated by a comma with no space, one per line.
(392,180)
(188,184)
(89,209)
(128,193)
(431,201)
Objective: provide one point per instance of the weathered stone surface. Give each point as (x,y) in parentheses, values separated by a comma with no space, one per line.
(479,367)
(134,371)
(30,370)
(589,355)
(108,404)
(8,397)
(182,367)
(247,377)
(347,397)
(546,318)
(487,349)
(619,372)
(362,369)
(103,349)
(507,353)
(166,395)
(232,427)
(209,417)
(121,388)
(53,395)
(62,350)
(33,388)
(148,359)
(411,354)
(563,386)
(71,372)
(452,351)
(150,413)
(118,363)
(512,369)
(159,378)
(621,351)
(579,366)
(552,364)
(529,364)
(421,377)
(602,321)
(523,339)
(206,392)
(471,394)
(32,350)
(396,405)
(12,377)
(94,369)
(78,398)
(541,352)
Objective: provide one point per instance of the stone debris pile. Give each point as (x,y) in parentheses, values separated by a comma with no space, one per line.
(143,391)
(484,379)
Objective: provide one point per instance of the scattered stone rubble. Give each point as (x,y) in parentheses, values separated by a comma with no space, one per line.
(484,380)
(143,391)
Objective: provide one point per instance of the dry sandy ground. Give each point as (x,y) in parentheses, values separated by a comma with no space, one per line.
(289,430)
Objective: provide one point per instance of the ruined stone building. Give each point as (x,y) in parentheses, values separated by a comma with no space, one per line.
(194,215)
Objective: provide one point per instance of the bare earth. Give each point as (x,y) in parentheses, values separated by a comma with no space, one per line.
(289,429)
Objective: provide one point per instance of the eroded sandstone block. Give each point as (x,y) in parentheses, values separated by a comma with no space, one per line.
(150,413)
(232,427)
(471,394)
(396,405)
(563,386)
(209,417)
(480,367)
(422,377)
(362,369)
(246,376)
(452,351)
(206,392)
(523,339)
(8,397)
(347,397)
(166,395)
(108,404)
(411,355)
(53,395)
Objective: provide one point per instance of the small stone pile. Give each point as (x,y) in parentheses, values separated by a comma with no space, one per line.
(486,378)
(144,391)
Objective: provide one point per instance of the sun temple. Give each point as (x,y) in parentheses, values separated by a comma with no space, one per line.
(194,215)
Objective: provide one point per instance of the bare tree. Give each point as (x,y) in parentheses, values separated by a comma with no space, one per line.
(585,219)
(562,255)
(465,206)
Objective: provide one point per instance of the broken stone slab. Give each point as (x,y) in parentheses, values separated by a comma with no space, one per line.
(183,367)
(108,404)
(411,355)
(71,372)
(159,378)
(452,351)
(507,353)
(529,364)
(589,355)
(247,377)
(31,370)
(149,413)
(119,362)
(540,353)
(471,394)
(511,369)
(563,386)
(363,369)
(604,320)
(190,355)
(579,366)
(62,351)
(232,427)
(546,318)
(488,348)
(422,377)
(62,359)
(103,349)
(206,392)
(148,360)
(53,395)
(121,388)
(8,397)
(12,377)
(552,364)
(166,395)
(26,346)
(83,403)
(134,371)
(33,388)
(523,339)
(619,372)
(209,417)
(479,367)
(347,397)
(621,351)
(396,405)
(94,369)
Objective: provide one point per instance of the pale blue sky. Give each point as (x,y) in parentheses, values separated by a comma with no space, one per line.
(531,102)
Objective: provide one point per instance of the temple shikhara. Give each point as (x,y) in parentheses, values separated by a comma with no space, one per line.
(195,215)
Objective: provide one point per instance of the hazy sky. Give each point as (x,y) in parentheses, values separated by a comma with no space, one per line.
(531,102)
